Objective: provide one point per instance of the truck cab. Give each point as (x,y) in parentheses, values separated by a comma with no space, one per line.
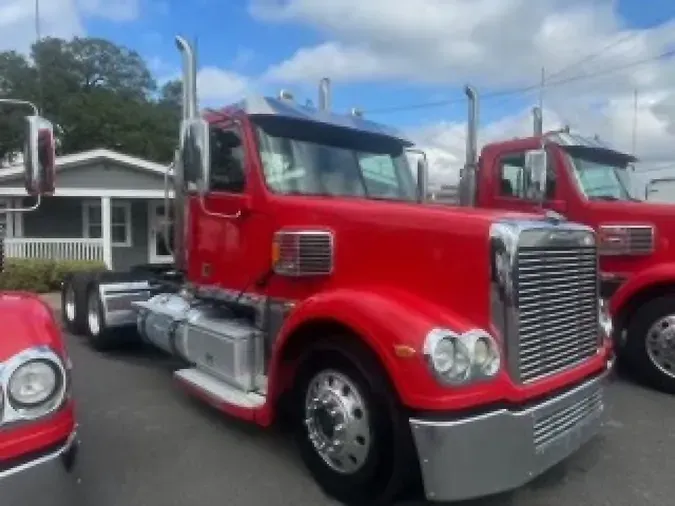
(589,182)
(314,283)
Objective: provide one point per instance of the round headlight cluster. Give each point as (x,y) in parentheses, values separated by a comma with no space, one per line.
(33,386)
(462,358)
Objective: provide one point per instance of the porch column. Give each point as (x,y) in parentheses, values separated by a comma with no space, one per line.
(106,231)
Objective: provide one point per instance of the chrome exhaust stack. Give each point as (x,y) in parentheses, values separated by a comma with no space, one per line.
(467,183)
(190,111)
(324,94)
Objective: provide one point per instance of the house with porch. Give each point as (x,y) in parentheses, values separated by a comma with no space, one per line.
(107,206)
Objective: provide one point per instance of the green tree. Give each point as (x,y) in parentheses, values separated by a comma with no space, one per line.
(99,94)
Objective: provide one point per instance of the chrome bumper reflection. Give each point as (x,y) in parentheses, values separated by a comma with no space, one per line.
(44,481)
(502,450)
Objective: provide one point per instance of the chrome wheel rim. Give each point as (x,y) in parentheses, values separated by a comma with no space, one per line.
(660,345)
(93,314)
(337,422)
(70,304)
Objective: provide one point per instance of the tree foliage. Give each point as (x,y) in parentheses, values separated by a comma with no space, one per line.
(98,94)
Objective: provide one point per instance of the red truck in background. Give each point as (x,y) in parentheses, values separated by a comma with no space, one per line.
(406,343)
(38,430)
(588,182)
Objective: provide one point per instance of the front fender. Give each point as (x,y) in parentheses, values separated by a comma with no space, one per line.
(385,320)
(27,321)
(657,275)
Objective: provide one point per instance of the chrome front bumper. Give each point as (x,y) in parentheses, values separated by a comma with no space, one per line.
(47,480)
(504,449)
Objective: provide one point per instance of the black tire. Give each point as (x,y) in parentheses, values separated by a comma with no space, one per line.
(390,465)
(74,291)
(100,336)
(636,353)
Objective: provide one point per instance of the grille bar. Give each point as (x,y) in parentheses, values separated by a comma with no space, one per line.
(557,292)
(549,428)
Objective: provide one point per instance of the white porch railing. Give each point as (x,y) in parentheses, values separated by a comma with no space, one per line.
(54,249)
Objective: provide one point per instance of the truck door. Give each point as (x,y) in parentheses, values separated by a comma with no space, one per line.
(224,224)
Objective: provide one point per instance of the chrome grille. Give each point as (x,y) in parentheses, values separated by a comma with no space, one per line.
(304,253)
(554,425)
(557,294)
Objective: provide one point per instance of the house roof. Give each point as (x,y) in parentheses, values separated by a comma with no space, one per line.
(94,155)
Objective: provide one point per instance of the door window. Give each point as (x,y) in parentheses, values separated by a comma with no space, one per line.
(514,181)
(227,161)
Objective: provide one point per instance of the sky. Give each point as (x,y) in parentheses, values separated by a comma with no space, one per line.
(405,62)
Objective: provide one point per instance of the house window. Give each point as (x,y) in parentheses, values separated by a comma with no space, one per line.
(11,224)
(120,222)
(4,218)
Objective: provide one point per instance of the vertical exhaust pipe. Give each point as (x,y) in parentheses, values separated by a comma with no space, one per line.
(324,94)
(467,184)
(189,78)
(190,111)
(538,122)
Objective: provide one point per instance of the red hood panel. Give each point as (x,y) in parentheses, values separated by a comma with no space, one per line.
(26,321)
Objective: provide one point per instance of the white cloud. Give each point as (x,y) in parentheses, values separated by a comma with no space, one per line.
(114,10)
(58,18)
(220,86)
(495,44)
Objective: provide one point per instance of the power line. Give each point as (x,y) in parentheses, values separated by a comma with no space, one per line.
(524,89)
(593,56)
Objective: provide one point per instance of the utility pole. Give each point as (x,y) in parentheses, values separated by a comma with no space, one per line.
(542,85)
(635,120)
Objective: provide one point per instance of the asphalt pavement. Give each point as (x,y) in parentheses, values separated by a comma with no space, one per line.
(146,443)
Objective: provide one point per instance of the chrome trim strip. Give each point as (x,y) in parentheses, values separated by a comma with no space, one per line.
(67,446)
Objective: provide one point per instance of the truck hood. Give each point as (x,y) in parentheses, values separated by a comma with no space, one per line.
(26,322)
(439,253)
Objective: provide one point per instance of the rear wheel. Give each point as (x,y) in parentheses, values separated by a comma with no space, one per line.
(350,430)
(101,337)
(73,303)
(650,349)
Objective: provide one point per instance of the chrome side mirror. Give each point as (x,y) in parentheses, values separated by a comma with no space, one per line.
(196,152)
(39,157)
(535,168)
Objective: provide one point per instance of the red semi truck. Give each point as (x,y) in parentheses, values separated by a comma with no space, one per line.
(312,280)
(588,182)
(38,431)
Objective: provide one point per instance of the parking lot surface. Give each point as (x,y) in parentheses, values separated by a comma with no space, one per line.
(146,443)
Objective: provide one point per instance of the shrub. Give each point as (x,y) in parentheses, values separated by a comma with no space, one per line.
(38,275)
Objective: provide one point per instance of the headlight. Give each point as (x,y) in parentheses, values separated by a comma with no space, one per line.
(33,385)
(461,358)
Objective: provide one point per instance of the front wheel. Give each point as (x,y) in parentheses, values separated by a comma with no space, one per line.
(351,433)
(650,349)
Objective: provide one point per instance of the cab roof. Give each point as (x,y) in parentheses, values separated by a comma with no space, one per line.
(282,107)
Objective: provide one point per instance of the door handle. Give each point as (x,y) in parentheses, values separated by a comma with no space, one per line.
(234,216)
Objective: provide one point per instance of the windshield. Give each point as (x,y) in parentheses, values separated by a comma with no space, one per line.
(326,160)
(601,175)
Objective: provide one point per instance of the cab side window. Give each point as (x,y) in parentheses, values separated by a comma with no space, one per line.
(512,176)
(227,161)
